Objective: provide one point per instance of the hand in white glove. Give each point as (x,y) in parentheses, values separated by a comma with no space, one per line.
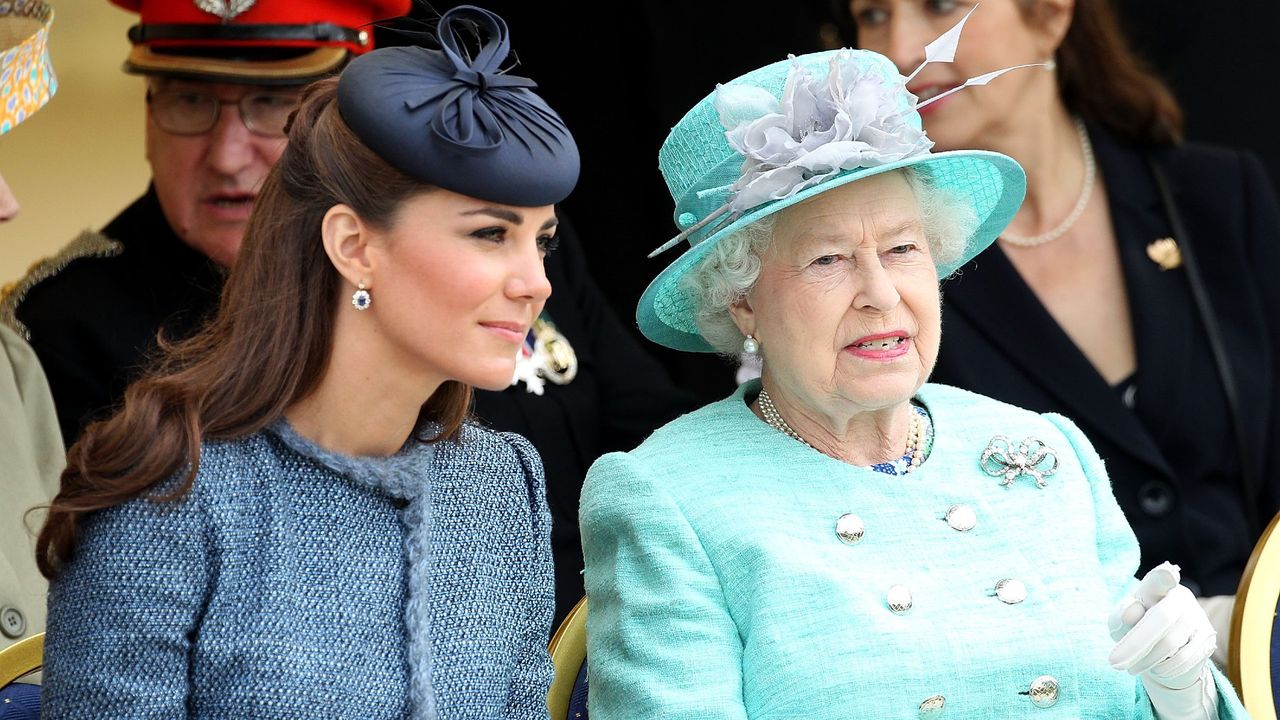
(1163,636)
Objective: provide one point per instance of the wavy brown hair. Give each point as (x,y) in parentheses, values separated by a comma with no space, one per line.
(1102,80)
(267,347)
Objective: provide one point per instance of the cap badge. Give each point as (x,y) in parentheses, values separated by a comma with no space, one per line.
(225,9)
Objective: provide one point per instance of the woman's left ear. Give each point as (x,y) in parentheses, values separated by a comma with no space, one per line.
(346,242)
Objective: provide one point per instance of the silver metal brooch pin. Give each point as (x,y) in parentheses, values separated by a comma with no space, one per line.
(1031,457)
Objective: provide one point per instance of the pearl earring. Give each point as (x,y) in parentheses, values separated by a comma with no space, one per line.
(750,345)
(361,299)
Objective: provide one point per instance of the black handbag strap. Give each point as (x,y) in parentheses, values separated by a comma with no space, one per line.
(1204,307)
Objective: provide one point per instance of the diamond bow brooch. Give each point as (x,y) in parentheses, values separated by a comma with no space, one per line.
(1030,457)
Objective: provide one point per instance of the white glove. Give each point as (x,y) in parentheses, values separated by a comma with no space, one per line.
(1163,636)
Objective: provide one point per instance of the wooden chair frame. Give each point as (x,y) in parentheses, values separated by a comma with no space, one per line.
(1252,624)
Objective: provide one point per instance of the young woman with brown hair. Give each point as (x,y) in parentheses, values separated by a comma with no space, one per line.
(1133,292)
(293,502)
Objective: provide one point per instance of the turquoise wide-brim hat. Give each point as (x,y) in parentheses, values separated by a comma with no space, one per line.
(705,172)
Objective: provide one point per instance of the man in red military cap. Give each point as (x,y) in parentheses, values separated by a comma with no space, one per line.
(222,78)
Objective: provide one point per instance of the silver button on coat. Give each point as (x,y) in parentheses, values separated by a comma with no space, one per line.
(1044,691)
(850,529)
(961,518)
(899,599)
(1010,591)
(932,707)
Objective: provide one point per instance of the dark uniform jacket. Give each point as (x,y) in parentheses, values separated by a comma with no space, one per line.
(93,319)
(92,312)
(619,396)
(1172,458)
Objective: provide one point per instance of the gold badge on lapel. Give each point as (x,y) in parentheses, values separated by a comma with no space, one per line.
(1165,253)
(561,364)
(546,356)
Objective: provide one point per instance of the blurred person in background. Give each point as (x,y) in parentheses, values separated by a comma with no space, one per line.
(221,79)
(29,442)
(1133,292)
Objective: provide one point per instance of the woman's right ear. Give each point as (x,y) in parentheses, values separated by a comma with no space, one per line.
(346,242)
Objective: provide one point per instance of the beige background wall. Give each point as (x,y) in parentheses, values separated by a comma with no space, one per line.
(80,160)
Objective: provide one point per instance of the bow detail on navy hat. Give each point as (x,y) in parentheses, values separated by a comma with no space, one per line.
(465,116)
(453,118)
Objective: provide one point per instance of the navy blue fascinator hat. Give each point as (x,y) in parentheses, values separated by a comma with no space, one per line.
(455,120)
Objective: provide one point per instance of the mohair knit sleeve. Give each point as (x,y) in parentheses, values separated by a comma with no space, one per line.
(534,672)
(1118,554)
(123,613)
(660,641)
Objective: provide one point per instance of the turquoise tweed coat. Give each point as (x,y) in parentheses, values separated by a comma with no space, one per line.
(719,589)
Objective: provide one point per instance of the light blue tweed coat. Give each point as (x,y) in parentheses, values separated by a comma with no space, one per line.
(277,588)
(718,588)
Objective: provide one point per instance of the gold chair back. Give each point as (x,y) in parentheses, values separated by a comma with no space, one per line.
(568,651)
(21,658)
(1254,627)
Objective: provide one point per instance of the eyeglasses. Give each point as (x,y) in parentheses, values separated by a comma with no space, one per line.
(183,112)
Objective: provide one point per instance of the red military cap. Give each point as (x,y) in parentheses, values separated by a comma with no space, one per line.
(252,41)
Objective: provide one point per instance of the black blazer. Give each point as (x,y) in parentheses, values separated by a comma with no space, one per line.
(93,320)
(1173,459)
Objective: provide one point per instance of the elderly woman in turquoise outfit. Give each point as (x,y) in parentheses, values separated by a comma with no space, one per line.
(840,539)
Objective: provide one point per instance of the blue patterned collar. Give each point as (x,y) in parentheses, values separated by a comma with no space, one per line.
(902,464)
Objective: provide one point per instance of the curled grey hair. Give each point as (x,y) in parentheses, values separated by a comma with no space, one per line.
(731,268)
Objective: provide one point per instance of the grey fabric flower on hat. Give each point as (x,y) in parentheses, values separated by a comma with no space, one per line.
(855,117)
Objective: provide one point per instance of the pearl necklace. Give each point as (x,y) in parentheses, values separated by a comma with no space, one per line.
(772,417)
(1086,189)
(915,435)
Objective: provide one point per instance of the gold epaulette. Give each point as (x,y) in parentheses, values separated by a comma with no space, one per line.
(89,244)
